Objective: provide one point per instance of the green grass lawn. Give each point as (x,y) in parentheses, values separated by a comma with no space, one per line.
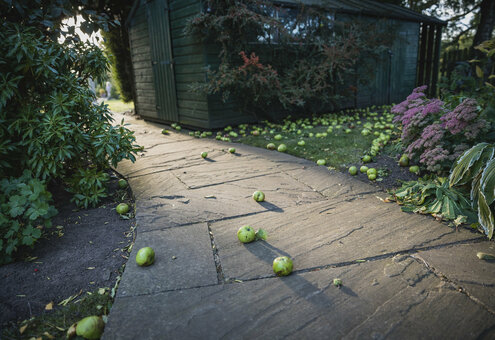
(116,105)
(336,138)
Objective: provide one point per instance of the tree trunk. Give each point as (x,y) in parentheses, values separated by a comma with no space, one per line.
(487,22)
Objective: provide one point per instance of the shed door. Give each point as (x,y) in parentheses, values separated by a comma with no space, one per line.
(161,60)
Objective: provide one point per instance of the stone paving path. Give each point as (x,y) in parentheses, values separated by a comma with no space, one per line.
(404,275)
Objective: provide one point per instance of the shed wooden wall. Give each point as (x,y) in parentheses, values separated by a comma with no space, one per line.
(189,64)
(395,75)
(141,62)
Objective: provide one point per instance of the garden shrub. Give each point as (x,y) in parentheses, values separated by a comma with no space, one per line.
(49,122)
(435,135)
(25,211)
(88,187)
(275,58)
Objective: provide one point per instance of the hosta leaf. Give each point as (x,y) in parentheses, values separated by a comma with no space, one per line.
(487,183)
(448,209)
(475,189)
(485,216)
(463,172)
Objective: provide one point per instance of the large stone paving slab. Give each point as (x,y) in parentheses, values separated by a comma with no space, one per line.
(192,266)
(326,233)
(460,264)
(393,298)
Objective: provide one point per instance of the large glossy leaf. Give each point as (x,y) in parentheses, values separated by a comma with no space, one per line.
(485,215)
(487,183)
(464,170)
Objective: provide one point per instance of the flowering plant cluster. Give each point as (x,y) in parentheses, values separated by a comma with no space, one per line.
(433,134)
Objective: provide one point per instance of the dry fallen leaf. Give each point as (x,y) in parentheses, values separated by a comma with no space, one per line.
(90,268)
(48,335)
(49,306)
(22,329)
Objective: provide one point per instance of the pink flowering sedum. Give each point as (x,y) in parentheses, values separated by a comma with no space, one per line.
(432,134)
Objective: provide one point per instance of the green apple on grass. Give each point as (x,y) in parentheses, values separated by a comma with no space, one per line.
(301,143)
(277,137)
(321,162)
(271,146)
(91,327)
(282,148)
(353,170)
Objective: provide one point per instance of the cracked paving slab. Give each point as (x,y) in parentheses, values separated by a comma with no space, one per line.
(392,298)
(183,259)
(459,264)
(327,233)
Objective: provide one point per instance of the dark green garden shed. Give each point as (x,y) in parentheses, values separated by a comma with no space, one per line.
(166,61)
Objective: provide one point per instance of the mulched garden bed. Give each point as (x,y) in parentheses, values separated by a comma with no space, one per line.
(85,250)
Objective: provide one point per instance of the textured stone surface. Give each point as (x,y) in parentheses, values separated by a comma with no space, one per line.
(393,298)
(404,275)
(460,264)
(328,233)
(193,266)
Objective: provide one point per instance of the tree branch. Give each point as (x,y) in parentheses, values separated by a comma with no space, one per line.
(454,18)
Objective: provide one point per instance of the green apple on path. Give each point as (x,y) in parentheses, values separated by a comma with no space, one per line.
(204,154)
(258,196)
(232,150)
(145,256)
(321,162)
(282,266)
(246,234)
(122,208)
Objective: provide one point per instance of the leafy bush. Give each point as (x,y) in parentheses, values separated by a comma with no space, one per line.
(292,58)
(88,187)
(433,195)
(433,134)
(24,211)
(48,117)
(476,170)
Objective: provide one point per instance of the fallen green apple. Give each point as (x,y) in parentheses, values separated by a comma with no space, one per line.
(277,137)
(404,160)
(363,169)
(91,327)
(337,282)
(282,148)
(371,171)
(165,132)
(246,234)
(367,159)
(255,133)
(204,154)
(301,143)
(145,256)
(321,162)
(232,150)
(271,146)
(353,170)
(178,128)
(123,183)
(258,196)
(372,177)
(414,169)
(282,266)
(122,208)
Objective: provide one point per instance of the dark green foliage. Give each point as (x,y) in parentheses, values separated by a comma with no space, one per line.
(49,121)
(88,187)
(275,58)
(117,50)
(432,195)
(24,210)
